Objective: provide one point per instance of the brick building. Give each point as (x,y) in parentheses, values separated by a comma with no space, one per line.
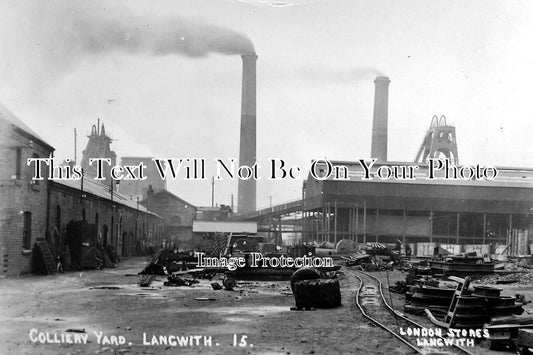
(77,213)
(178,215)
(23,201)
(111,217)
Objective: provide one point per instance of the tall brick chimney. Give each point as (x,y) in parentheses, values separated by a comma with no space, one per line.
(381,116)
(247,150)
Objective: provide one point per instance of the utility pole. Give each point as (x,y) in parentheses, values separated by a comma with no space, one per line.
(75,147)
(213,191)
(82,195)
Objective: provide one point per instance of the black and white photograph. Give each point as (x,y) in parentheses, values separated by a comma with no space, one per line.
(266,177)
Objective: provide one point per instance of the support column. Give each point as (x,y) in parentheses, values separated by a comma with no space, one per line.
(335,224)
(356,224)
(458,225)
(404,219)
(376,225)
(350,223)
(484,227)
(323,227)
(328,221)
(317,214)
(280,234)
(364,222)
(510,233)
(431,226)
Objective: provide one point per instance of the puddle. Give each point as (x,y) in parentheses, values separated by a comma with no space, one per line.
(146,295)
(62,322)
(238,319)
(255,311)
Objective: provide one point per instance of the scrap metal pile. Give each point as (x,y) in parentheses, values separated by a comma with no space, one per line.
(451,302)
(169,263)
(462,264)
(423,289)
(374,257)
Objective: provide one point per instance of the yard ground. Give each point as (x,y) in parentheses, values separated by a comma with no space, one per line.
(34,307)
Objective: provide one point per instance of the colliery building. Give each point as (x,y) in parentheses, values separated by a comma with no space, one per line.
(23,201)
(465,214)
(467,211)
(73,215)
(418,210)
(82,213)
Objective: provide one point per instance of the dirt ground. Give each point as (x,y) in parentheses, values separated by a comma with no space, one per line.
(37,311)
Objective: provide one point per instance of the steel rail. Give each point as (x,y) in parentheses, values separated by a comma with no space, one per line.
(384,327)
(399,315)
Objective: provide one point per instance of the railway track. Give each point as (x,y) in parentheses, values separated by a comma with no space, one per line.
(374,306)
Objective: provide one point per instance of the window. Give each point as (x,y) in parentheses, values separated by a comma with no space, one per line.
(36,182)
(18,163)
(26,233)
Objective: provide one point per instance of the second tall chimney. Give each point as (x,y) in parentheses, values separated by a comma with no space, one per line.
(381,116)
(247,151)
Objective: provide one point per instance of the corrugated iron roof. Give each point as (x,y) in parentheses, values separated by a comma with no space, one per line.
(507,176)
(97,189)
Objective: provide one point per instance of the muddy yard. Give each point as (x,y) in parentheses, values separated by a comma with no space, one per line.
(106,312)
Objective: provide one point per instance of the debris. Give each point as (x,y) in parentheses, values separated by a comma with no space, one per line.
(153,269)
(305,273)
(401,287)
(73,330)
(355,259)
(216,286)
(462,264)
(524,340)
(505,282)
(521,299)
(318,293)
(146,280)
(229,283)
(174,280)
(106,288)
(205,299)
(503,335)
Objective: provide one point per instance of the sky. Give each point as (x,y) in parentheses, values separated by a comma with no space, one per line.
(165,79)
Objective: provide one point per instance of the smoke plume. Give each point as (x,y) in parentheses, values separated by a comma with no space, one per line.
(48,37)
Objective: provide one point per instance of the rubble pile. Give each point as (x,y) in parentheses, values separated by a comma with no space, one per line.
(174,280)
(374,257)
(521,277)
